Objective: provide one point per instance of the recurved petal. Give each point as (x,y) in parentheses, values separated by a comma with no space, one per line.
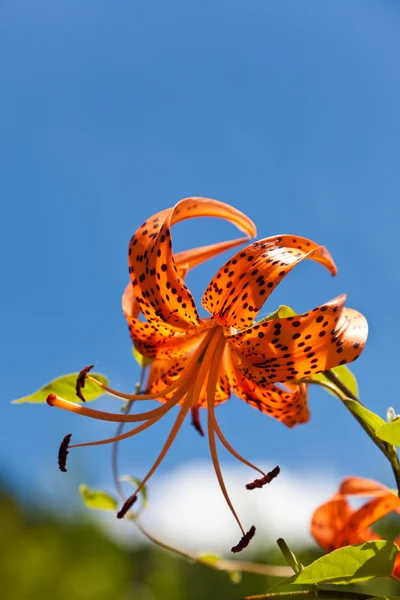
(155,338)
(297,347)
(360,486)
(184,261)
(357,528)
(158,287)
(329,520)
(188,259)
(289,406)
(240,288)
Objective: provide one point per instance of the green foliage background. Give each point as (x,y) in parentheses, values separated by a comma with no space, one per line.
(47,557)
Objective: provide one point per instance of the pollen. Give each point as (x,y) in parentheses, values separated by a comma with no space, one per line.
(63,453)
(259,483)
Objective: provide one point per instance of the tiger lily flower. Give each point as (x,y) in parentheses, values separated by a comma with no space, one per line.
(199,361)
(336,524)
(184,262)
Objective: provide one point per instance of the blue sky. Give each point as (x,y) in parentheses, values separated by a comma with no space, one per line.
(110,112)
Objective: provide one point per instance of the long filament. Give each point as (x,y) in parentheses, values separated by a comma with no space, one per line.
(123,436)
(173,433)
(192,396)
(167,390)
(54,400)
(211,387)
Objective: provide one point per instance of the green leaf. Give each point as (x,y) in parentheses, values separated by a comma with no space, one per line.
(351,564)
(390,432)
(370,419)
(142,360)
(65,387)
(97,499)
(281,313)
(345,376)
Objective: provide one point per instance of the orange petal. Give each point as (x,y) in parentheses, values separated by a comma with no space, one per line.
(357,528)
(329,520)
(241,286)
(297,347)
(156,339)
(360,486)
(158,288)
(184,261)
(164,372)
(188,259)
(288,406)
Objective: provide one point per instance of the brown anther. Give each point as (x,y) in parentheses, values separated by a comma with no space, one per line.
(196,420)
(63,453)
(128,504)
(259,483)
(245,541)
(81,380)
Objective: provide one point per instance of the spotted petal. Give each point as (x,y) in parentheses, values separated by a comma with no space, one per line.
(150,338)
(158,287)
(286,405)
(296,347)
(240,288)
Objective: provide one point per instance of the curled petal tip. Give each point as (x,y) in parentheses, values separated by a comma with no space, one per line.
(245,541)
(63,453)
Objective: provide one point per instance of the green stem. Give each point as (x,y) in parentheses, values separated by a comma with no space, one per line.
(340,390)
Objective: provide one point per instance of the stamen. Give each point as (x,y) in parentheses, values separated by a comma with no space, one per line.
(123,436)
(127,505)
(81,380)
(211,387)
(191,398)
(259,483)
(54,400)
(245,541)
(196,420)
(187,372)
(173,433)
(63,453)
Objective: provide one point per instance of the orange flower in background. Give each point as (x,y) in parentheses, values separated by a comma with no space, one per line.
(199,361)
(336,524)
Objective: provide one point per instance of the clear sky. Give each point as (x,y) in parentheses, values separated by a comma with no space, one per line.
(110,112)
